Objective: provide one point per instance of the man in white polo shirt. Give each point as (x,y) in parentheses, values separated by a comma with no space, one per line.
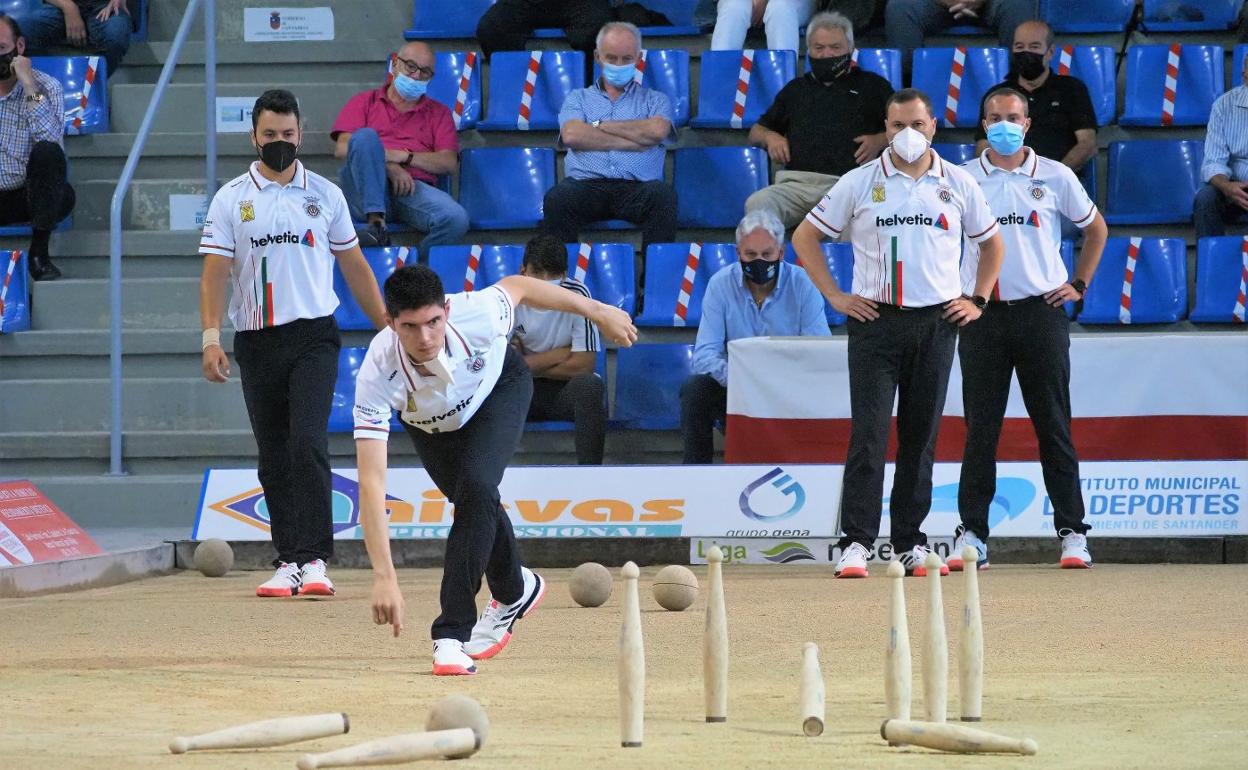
(273,235)
(462,392)
(905,215)
(1025,331)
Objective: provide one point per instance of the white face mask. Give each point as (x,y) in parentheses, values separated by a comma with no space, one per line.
(909,144)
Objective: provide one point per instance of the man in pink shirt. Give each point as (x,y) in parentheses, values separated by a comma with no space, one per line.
(397,142)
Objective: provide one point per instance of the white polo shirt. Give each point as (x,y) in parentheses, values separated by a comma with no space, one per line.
(478,325)
(281,241)
(1028,203)
(906,233)
(540,330)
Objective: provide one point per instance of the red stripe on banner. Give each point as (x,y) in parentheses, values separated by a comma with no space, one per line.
(686,286)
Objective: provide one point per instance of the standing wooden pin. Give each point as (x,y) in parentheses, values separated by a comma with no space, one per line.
(632,663)
(897,659)
(812,699)
(715,642)
(971,644)
(935,647)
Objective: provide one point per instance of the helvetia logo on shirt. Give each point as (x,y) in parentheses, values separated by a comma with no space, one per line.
(914,219)
(942,223)
(1032,220)
(307,239)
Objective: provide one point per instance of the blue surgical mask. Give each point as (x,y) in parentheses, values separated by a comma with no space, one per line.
(619,75)
(410,88)
(1005,138)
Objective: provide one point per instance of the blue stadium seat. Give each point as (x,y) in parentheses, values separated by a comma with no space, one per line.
(885,62)
(349,314)
(665,278)
(712,183)
(433,19)
(559,72)
(840,259)
(954,153)
(666,70)
(502,187)
(1190,15)
(718,81)
(1087,177)
(553,426)
(139,10)
(341,419)
(450,67)
(494,262)
(17,7)
(79,75)
(933,73)
(1087,15)
(1094,65)
(1220,276)
(1067,251)
(1136,197)
(1158,286)
(610,273)
(23,229)
(1235,73)
(647,385)
(14,292)
(678,12)
(1201,80)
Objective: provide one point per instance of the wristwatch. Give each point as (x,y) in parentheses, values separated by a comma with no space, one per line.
(979,302)
(1079,286)
(35,98)
(595,123)
(408,161)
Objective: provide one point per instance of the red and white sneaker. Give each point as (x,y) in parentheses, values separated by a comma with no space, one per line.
(314,581)
(915,561)
(285,581)
(449,659)
(1075,553)
(962,537)
(853,562)
(493,629)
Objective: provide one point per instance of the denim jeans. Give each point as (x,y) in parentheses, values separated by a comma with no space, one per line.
(44,27)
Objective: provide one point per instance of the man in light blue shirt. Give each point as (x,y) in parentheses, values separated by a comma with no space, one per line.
(616,133)
(1224,196)
(760,296)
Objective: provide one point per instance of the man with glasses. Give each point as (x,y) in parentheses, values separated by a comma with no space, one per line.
(396,142)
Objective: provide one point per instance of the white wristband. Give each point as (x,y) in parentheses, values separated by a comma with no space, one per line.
(211,337)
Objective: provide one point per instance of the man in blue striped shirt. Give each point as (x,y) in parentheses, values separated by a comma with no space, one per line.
(1224,196)
(760,296)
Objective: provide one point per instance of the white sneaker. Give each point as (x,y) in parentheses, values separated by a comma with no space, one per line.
(493,629)
(915,561)
(962,537)
(285,581)
(449,659)
(1075,553)
(314,581)
(853,562)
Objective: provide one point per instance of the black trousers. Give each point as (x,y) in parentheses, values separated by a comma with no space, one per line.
(47,197)
(574,203)
(467,466)
(702,401)
(1032,340)
(288,375)
(507,25)
(581,400)
(908,354)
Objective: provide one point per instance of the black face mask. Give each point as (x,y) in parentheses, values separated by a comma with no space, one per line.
(278,154)
(6,64)
(760,271)
(1028,65)
(830,68)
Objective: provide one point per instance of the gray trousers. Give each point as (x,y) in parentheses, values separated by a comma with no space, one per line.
(793,195)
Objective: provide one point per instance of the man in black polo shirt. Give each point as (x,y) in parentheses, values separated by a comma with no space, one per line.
(820,125)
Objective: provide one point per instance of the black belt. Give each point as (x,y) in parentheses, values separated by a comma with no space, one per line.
(1013,302)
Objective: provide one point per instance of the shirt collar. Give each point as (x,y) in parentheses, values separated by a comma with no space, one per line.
(1240,95)
(1026,168)
(260,181)
(628,89)
(440,367)
(937,168)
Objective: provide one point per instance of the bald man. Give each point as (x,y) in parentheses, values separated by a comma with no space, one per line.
(396,142)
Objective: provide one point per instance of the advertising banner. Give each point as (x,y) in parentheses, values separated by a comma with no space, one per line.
(269,25)
(34,530)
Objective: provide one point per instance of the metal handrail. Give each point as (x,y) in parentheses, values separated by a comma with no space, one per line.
(123,186)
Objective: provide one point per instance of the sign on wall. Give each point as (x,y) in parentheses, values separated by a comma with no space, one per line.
(280,25)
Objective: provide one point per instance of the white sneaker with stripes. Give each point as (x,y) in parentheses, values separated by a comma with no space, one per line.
(1075,553)
(493,629)
(314,581)
(285,581)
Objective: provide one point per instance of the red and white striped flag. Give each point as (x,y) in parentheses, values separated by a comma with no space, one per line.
(92,64)
(955,86)
(530,84)
(1172,85)
(686,284)
(1241,299)
(1064,59)
(14,256)
(641,68)
(1124,308)
(743,89)
(582,261)
(474,263)
(465,77)
(401,259)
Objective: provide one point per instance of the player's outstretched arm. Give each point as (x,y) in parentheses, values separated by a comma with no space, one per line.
(613,323)
(387,600)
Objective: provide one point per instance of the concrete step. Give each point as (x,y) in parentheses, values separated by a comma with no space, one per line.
(187,403)
(153,303)
(94,500)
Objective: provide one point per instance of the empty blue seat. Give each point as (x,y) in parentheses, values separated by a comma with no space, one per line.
(720,80)
(933,74)
(502,187)
(1201,80)
(608,270)
(954,153)
(14,292)
(712,183)
(1087,177)
(23,229)
(1190,15)
(671,300)
(665,70)
(446,18)
(1094,65)
(558,73)
(384,262)
(885,62)
(679,12)
(840,259)
(1067,251)
(1153,182)
(1087,15)
(472,267)
(647,385)
(450,69)
(1221,274)
(84,83)
(1157,286)
(341,411)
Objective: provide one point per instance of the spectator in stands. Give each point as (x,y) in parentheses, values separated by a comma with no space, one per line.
(34,186)
(397,142)
(561,350)
(616,133)
(102,25)
(822,124)
(909,21)
(781,19)
(1224,196)
(508,24)
(760,296)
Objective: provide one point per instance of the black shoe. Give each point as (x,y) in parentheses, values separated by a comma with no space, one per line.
(374,235)
(41,268)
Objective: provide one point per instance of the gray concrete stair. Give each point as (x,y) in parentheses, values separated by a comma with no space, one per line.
(160,303)
(149,403)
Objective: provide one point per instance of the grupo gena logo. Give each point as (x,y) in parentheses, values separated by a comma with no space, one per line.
(765,498)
